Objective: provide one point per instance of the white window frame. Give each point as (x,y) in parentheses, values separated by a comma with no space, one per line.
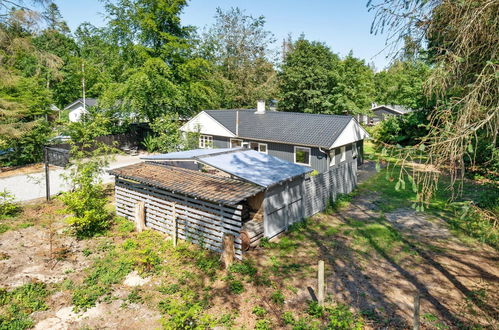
(309,155)
(355,152)
(236,140)
(343,153)
(266,148)
(332,154)
(203,139)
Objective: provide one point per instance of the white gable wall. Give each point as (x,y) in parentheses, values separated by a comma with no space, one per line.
(353,132)
(76,114)
(205,124)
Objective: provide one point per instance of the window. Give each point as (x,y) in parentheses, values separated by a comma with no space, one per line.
(206,141)
(302,155)
(262,147)
(343,154)
(332,154)
(236,143)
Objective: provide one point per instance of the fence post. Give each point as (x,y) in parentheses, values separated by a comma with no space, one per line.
(320,283)
(416,311)
(140,221)
(47,173)
(229,253)
(175,225)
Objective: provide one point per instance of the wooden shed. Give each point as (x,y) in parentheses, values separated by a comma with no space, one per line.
(192,205)
(209,194)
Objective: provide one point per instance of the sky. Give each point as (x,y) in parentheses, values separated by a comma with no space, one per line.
(343,25)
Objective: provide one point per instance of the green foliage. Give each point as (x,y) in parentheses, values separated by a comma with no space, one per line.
(87,201)
(239,46)
(8,206)
(402,84)
(259,311)
(18,304)
(236,286)
(340,317)
(167,134)
(403,130)
(246,267)
(263,324)
(184,313)
(277,297)
(313,79)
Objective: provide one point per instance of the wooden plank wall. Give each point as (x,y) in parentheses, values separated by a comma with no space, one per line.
(325,187)
(198,221)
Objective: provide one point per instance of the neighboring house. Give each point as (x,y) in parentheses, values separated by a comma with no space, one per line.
(382,111)
(318,141)
(77,109)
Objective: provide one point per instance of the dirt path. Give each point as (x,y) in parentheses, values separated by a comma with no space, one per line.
(457,283)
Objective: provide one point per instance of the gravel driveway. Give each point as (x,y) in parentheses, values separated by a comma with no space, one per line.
(27,187)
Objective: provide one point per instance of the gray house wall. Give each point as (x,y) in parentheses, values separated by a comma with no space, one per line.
(349,151)
(283,206)
(318,160)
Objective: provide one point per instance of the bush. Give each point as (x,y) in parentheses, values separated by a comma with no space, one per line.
(7,204)
(277,297)
(87,201)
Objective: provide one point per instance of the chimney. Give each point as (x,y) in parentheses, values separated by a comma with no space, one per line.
(260,107)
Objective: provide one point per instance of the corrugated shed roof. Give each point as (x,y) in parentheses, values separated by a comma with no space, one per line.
(285,127)
(188,182)
(247,164)
(256,167)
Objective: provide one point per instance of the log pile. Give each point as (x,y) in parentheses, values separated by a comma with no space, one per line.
(251,234)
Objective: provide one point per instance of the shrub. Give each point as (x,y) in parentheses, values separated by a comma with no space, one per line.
(87,201)
(7,204)
(340,317)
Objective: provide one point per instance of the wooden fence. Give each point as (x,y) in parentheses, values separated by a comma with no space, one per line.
(325,187)
(200,222)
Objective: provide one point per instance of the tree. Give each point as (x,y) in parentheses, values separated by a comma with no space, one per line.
(24,97)
(154,24)
(354,90)
(314,79)
(149,92)
(307,77)
(461,37)
(239,46)
(402,84)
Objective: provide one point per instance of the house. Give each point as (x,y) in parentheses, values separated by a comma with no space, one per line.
(79,107)
(382,111)
(318,141)
(205,194)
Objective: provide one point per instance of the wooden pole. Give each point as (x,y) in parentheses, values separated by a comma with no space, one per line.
(140,221)
(416,311)
(229,253)
(320,283)
(47,173)
(175,226)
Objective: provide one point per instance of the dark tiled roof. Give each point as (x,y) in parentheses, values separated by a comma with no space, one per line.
(90,102)
(284,127)
(188,182)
